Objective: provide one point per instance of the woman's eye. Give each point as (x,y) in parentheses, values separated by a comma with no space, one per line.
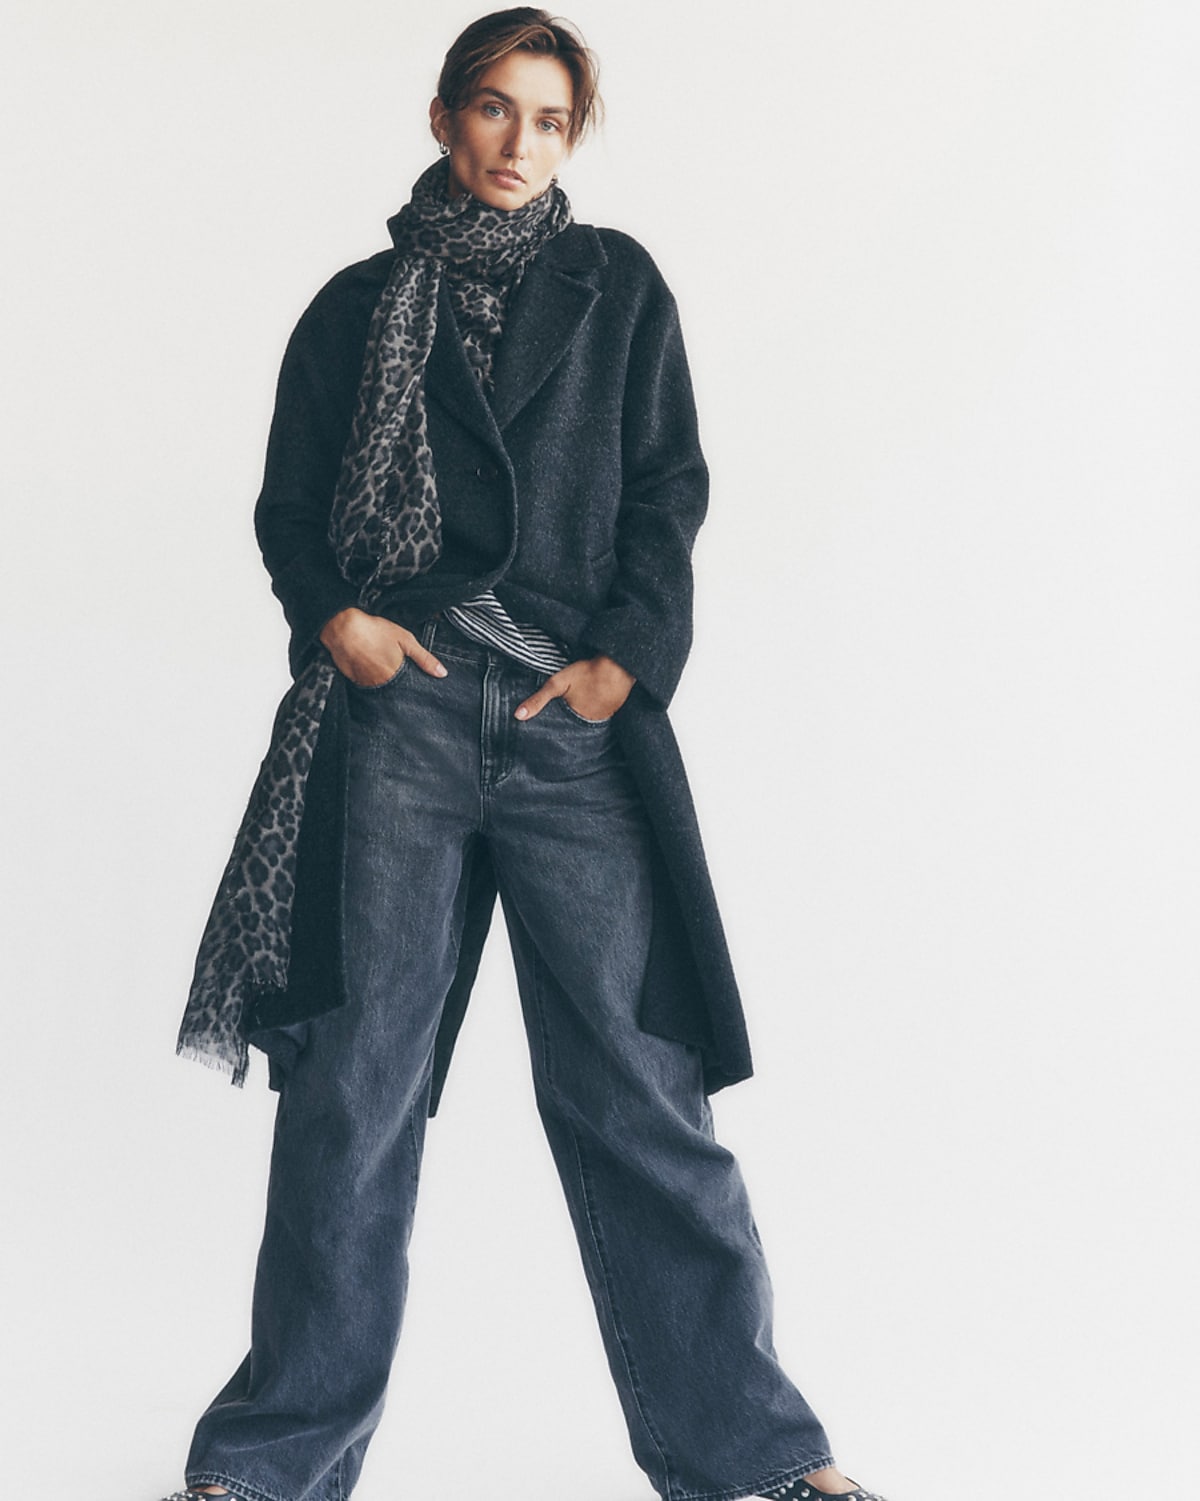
(494,110)
(550,125)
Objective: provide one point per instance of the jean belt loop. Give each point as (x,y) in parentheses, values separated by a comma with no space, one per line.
(429,632)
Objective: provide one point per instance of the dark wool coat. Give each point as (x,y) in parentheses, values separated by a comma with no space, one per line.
(575,492)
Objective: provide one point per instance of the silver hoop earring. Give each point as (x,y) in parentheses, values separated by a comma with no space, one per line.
(443,148)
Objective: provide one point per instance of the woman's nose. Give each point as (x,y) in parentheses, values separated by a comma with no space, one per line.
(517,144)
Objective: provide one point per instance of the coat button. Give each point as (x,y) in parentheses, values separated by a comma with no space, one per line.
(487,472)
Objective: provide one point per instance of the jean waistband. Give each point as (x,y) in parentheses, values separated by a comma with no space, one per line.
(443,637)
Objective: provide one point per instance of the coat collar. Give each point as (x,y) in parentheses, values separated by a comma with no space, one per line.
(555,296)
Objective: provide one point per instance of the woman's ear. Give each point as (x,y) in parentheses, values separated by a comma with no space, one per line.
(439,120)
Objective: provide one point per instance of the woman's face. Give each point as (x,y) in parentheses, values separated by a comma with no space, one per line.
(510,137)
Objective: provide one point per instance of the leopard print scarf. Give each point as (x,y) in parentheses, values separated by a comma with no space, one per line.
(385,527)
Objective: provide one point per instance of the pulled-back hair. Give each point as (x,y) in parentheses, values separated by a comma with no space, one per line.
(492,37)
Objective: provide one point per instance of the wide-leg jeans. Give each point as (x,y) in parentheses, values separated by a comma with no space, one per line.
(669,1245)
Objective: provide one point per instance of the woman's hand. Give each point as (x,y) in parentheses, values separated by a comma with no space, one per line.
(369,649)
(595,688)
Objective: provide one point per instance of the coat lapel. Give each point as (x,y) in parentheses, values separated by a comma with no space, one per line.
(555,296)
(450,379)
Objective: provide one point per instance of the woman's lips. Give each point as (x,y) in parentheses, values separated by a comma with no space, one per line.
(507,179)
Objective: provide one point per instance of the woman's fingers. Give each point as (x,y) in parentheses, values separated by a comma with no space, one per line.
(370,649)
(370,672)
(595,687)
(553,687)
(425,660)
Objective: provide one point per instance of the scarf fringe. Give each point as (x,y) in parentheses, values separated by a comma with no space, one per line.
(211,1057)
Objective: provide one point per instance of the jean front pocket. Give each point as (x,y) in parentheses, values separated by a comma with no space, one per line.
(379,687)
(595,724)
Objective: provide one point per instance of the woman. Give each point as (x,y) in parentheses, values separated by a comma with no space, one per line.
(483,481)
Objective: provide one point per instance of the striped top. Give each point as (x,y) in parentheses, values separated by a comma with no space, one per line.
(486,620)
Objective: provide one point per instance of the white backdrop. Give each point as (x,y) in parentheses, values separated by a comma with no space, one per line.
(941,719)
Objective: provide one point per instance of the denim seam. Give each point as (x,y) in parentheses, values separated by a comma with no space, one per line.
(497,760)
(543,1030)
(240,1489)
(757,1488)
(634,1385)
(414,1143)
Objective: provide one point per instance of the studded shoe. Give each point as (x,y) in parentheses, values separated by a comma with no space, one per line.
(190,1495)
(803,1490)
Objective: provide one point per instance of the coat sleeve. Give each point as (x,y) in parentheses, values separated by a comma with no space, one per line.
(646,621)
(314,404)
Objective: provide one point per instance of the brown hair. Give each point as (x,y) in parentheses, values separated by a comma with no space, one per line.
(492,37)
